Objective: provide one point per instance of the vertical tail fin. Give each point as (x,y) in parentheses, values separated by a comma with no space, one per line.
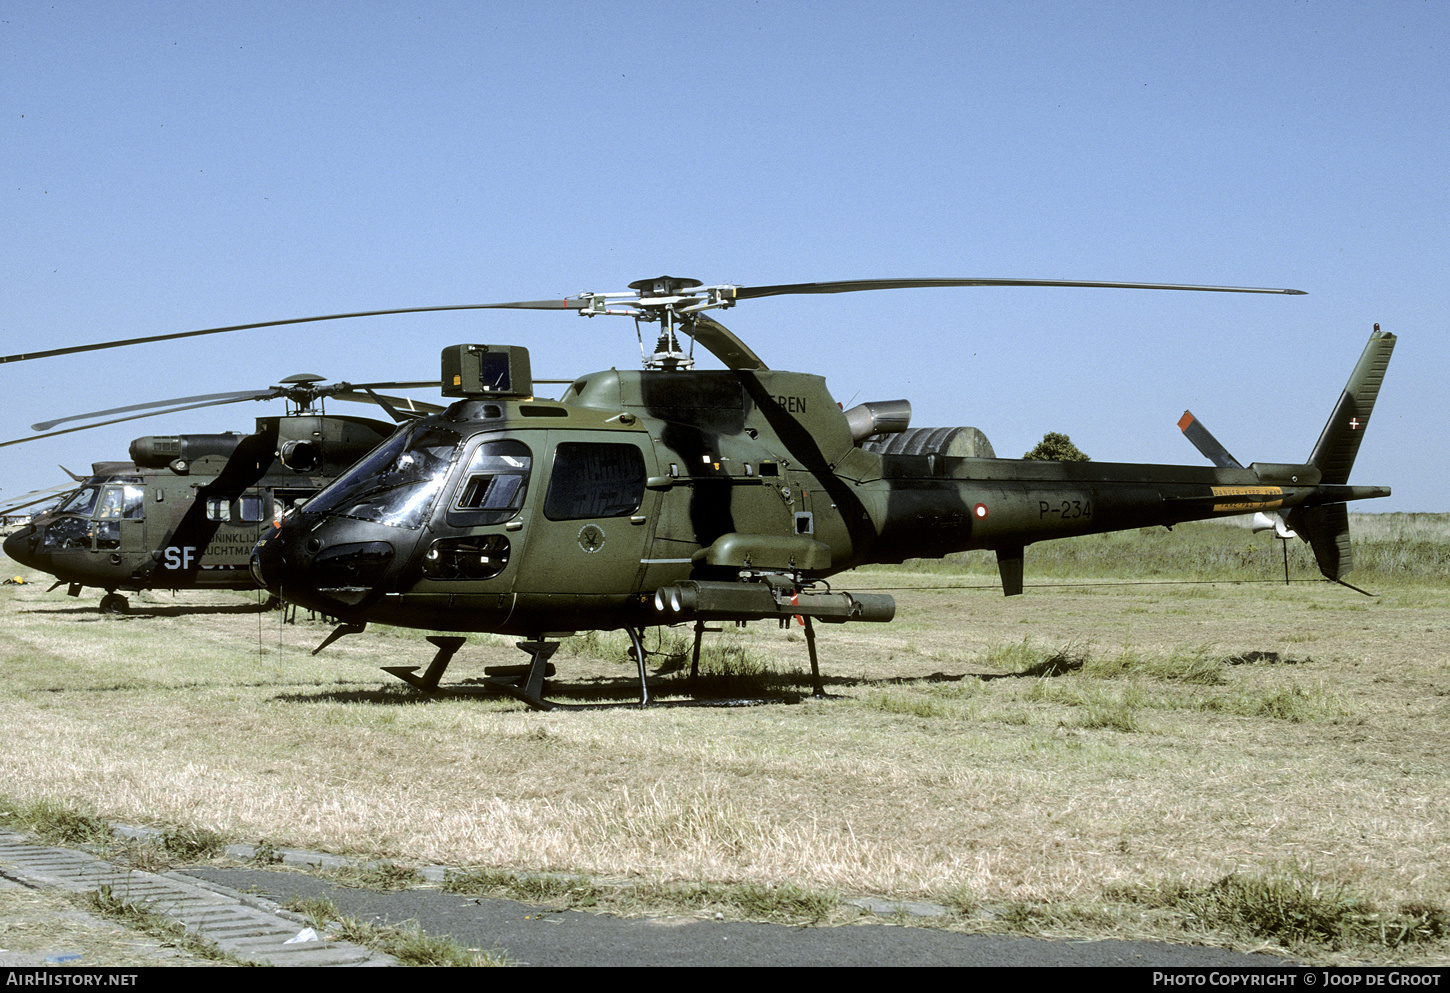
(1339,443)
(1326,528)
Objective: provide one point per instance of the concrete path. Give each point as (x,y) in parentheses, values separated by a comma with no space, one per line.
(533,934)
(240,910)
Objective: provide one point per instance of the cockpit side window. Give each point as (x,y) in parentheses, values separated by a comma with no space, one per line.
(492,489)
(121,502)
(594,480)
(251,508)
(134,504)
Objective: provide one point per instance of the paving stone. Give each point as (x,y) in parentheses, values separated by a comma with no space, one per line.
(245,931)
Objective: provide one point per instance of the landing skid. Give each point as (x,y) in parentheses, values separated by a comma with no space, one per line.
(526,682)
(522,682)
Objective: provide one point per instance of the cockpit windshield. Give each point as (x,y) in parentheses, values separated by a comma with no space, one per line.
(122,498)
(397,482)
(82,501)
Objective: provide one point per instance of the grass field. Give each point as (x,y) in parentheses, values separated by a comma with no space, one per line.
(1159,739)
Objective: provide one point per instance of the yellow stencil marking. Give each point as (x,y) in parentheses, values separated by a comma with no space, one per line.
(1248,498)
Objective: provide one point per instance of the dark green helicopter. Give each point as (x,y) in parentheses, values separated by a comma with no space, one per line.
(186,510)
(674,495)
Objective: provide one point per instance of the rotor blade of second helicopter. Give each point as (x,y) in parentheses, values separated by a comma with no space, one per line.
(238,395)
(416,385)
(121,420)
(33,497)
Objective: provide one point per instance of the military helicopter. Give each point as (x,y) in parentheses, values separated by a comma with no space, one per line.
(185,512)
(674,495)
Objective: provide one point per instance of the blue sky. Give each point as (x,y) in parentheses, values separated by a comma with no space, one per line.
(170,166)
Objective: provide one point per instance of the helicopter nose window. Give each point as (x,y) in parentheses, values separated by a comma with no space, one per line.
(594,480)
(493,488)
(68,532)
(479,557)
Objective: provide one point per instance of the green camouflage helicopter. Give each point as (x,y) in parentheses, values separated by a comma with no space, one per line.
(674,495)
(185,512)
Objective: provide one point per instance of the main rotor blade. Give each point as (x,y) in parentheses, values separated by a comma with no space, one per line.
(50,353)
(117,420)
(568,303)
(424,384)
(724,345)
(388,403)
(220,398)
(855,285)
(580,303)
(35,496)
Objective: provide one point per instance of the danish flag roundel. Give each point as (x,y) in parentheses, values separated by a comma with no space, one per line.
(980,511)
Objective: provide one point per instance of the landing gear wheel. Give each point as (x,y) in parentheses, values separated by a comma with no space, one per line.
(114,603)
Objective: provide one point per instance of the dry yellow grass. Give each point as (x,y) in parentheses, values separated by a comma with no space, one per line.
(911,783)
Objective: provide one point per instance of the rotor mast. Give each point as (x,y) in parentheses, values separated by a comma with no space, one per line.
(660,300)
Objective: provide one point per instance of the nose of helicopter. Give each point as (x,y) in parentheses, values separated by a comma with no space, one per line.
(268,563)
(19,547)
(300,563)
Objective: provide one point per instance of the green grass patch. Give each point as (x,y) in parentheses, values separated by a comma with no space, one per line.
(193,844)
(266,853)
(784,903)
(781,902)
(57,822)
(1292,703)
(569,891)
(906,701)
(411,946)
(139,917)
(407,943)
(380,875)
(1292,908)
(1110,690)
(318,911)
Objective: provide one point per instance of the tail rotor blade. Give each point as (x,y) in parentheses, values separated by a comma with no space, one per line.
(1206,443)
